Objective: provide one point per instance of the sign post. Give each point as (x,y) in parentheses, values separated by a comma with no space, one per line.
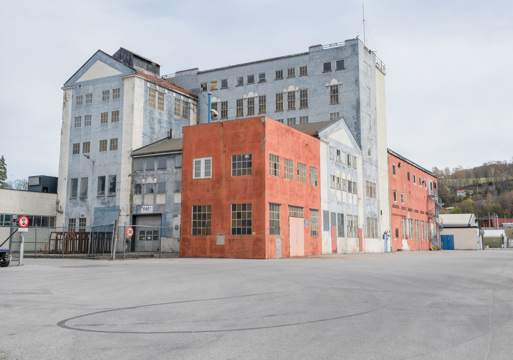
(23,222)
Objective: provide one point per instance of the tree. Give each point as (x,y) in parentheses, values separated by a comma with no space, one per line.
(3,173)
(19,184)
(467,206)
(456,210)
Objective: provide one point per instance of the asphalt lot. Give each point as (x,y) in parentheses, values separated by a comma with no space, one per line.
(427,305)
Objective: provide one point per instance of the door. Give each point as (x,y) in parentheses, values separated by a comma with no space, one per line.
(147,231)
(297,236)
(333,239)
(447,242)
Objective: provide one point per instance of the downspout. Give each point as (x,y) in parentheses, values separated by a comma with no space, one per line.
(209,107)
(57,207)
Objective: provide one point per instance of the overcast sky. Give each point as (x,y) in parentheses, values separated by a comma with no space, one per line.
(449,63)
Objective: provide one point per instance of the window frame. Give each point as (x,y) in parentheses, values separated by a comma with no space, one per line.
(243,169)
(203,162)
(243,228)
(336,64)
(274,219)
(324,66)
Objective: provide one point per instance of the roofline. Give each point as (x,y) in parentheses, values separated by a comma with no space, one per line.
(347,125)
(153,143)
(391,152)
(142,57)
(169,85)
(167,152)
(122,63)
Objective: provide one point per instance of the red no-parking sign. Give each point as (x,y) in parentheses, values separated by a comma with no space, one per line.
(23,221)
(129,232)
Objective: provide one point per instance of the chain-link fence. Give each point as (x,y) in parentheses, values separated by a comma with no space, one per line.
(106,241)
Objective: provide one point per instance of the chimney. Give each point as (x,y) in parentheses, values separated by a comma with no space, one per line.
(170,133)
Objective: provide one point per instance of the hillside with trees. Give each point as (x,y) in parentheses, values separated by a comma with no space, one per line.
(488,189)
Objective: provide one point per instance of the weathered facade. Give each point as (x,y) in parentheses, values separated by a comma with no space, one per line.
(250,190)
(111,106)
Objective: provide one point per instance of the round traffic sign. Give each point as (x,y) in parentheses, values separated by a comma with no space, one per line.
(129,232)
(23,221)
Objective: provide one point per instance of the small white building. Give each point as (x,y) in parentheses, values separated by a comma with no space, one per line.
(460,232)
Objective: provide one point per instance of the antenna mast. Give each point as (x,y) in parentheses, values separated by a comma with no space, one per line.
(363,12)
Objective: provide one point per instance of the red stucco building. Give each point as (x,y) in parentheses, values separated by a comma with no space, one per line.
(250,189)
(410,187)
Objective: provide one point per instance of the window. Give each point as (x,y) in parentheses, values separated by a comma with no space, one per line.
(274,165)
(368,96)
(404,228)
(279,74)
(202,168)
(242,165)
(139,164)
(86,147)
(213,85)
(280,121)
(291,100)
(261,77)
(349,186)
(82,225)
(251,79)
(326,66)
(333,94)
(289,169)
(115,93)
(241,219)
(203,87)
(291,72)
(78,121)
(369,152)
(105,95)
(410,222)
(279,101)
(295,211)
(201,220)
(112,185)
(137,189)
(87,120)
(103,145)
(332,153)
(420,181)
(350,229)
(340,225)
(408,175)
(338,158)
(89,98)
(422,230)
(114,116)
(76,149)
(150,188)
(303,99)
(291,121)
(178,186)
(224,84)
(240,81)
(160,99)
(355,188)
(372,228)
(301,173)
(113,144)
(303,119)
(344,184)
(240,107)
(262,104)
(161,188)
(185,110)
(402,198)
(72,223)
(73,189)
(370,189)
(104,118)
(337,183)
(353,159)
(101,186)
(150,164)
(397,232)
(314,219)
(214,107)
(349,160)
(161,162)
(414,178)
(303,70)
(274,219)
(251,106)
(224,110)
(178,104)
(78,100)
(395,195)
(333,181)
(340,64)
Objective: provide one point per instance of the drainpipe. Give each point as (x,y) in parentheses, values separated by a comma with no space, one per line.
(209,107)
(57,207)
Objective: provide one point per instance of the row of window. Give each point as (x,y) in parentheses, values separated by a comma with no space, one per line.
(79,99)
(159,103)
(34,220)
(278,75)
(104,119)
(420,182)
(421,229)
(242,216)
(72,225)
(161,162)
(339,183)
(279,103)
(342,157)
(84,185)
(86,146)
(370,189)
(160,187)
(337,220)
(288,170)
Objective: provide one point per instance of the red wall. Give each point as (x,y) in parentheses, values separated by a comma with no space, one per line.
(285,142)
(416,202)
(221,140)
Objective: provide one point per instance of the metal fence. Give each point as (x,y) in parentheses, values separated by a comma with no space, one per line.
(106,241)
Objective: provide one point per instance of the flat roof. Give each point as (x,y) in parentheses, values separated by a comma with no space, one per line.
(158,147)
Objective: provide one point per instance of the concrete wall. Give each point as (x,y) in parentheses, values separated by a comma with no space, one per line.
(464,238)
